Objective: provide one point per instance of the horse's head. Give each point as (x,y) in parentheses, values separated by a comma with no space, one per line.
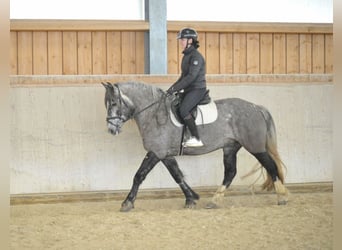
(119,108)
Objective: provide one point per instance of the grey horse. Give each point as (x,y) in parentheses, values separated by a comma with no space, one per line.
(239,124)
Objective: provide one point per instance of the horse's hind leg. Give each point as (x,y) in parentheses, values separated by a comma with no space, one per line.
(229,161)
(190,196)
(271,167)
(146,166)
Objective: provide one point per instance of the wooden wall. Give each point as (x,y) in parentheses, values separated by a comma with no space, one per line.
(49,47)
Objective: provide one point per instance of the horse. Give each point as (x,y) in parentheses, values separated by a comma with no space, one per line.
(239,124)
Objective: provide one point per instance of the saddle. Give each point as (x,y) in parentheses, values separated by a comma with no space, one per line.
(205,111)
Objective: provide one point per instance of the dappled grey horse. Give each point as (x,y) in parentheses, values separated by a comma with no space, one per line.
(239,124)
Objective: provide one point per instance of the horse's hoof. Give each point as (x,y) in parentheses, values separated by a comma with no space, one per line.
(211,205)
(190,204)
(283,202)
(126,206)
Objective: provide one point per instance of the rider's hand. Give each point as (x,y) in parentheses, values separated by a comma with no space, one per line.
(169,92)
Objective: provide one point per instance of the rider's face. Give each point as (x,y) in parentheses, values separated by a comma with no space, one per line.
(184,42)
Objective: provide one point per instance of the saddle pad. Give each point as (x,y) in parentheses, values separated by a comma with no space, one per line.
(206,114)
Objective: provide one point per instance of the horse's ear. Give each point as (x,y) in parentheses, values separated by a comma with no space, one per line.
(107,85)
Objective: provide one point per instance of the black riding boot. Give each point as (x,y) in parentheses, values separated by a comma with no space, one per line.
(194,140)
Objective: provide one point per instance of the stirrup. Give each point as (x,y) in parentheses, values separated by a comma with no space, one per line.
(193,142)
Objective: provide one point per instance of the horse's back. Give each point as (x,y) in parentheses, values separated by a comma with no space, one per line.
(247,120)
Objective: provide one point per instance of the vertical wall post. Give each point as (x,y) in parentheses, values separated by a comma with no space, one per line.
(156,37)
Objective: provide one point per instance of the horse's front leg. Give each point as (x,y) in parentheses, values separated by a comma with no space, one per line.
(146,166)
(190,196)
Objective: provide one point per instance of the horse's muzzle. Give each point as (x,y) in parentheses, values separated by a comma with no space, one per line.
(114,124)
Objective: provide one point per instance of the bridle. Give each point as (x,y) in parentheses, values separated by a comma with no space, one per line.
(119,117)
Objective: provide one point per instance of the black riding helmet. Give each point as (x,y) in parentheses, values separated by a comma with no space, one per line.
(189,33)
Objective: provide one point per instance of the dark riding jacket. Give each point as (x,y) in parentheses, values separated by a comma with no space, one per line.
(193,71)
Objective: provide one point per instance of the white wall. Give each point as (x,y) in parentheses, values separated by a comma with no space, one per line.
(311,11)
(59,140)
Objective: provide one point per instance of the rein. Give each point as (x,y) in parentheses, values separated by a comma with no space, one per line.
(149,106)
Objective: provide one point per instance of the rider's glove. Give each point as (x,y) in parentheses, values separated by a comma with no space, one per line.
(169,92)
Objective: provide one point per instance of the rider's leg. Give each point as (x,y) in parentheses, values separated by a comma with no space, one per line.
(189,102)
(194,140)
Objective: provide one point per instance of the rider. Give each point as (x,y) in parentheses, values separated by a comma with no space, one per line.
(192,81)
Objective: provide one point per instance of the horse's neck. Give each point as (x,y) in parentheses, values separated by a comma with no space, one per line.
(140,94)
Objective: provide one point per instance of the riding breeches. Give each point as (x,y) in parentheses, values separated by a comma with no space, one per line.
(190,100)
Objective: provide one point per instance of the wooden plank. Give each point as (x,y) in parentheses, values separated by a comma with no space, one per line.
(263,27)
(329,56)
(13,53)
(128,52)
(140,52)
(114,52)
(55,53)
(212,53)
(202,38)
(99,52)
(266,53)
(305,48)
(40,62)
(78,25)
(292,53)
(25,57)
(279,53)
(318,53)
(69,53)
(253,53)
(140,25)
(226,53)
(84,55)
(239,53)
(172,53)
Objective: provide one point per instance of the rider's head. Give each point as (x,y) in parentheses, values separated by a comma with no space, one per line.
(190,35)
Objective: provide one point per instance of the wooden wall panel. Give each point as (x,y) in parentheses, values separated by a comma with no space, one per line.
(70,53)
(128,53)
(266,53)
(253,53)
(239,53)
(226,53)
(279,54)
(25,56)
(114,52)
(203,45)
(329,57)
(292,54)
(14,53)
(212,48)
(140,53)
(55,53)
(40,62)
(99,52)
(305,48)
(318,53)
(172,53)
(84,53)
(84,48)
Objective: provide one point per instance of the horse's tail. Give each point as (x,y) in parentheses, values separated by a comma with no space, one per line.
(271,148)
